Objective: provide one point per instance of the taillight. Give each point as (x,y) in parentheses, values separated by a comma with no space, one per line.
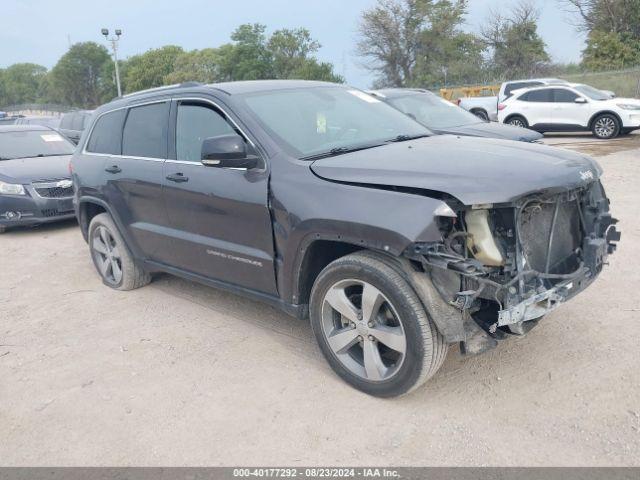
(501,106)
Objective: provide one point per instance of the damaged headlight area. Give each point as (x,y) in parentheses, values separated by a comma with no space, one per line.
(508,265)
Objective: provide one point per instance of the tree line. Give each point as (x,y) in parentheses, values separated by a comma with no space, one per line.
(403,43)
(84,77)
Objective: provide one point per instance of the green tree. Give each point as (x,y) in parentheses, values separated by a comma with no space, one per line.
(196,65)
(247,58)
(518,50)
(412,42)
(21,83)
(79,78)
(613,32)
(150,69)
(610,50)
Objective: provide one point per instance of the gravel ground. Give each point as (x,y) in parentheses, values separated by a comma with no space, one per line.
(180,374)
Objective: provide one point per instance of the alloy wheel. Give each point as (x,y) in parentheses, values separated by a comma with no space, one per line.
(516,122)
(605,127)
(106,255)
(363,330)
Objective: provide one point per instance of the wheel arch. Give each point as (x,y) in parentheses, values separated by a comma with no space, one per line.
(603,112)
(479,110)
(512,115)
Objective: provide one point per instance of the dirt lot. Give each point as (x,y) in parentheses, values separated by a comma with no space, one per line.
(180,374)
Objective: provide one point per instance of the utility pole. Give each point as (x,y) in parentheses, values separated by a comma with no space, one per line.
(114,46)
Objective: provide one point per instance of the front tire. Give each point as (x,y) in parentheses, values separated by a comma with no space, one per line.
(112,257)
(372,328)
(606,126)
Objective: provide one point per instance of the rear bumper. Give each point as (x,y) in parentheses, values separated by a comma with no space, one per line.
(30,209)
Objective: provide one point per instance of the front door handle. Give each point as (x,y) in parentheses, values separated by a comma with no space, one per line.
(113,169)
(177,177)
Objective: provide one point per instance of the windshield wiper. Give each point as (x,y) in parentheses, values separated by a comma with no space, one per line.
(40,155)
(339,151)
(404,138)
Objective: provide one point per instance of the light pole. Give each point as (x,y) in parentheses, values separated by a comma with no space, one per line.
(114,46)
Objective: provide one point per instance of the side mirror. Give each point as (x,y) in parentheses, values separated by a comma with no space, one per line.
(227,151)
(580,100)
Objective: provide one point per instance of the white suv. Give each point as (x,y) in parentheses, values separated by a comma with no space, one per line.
(569,108)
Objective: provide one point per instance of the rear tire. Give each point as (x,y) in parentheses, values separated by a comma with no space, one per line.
(481,114)
(517,121)
(111,256)
(392,352)
(605,126)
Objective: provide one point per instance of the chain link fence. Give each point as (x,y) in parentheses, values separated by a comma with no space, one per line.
(37,109)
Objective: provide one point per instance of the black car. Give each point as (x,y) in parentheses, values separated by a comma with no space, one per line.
(73,124)
(442,116)
(35,184)
(325,202)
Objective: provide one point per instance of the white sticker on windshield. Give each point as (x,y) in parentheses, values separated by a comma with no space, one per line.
(52,137)
(363,96)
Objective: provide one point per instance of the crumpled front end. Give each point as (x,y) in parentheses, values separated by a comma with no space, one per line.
(505,266)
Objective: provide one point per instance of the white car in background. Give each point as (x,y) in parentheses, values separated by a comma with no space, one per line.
(571,108)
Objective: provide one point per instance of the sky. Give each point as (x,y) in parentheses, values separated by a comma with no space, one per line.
(40,31)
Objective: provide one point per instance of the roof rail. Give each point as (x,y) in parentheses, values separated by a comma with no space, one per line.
(164,87)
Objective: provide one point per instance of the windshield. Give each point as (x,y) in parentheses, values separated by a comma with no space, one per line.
(32,143)
(313,121)
(433,112)
(592,93)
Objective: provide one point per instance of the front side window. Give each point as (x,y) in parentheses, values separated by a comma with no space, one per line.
(314,121)
(194,124)
(562,95)
(33,143)
(106,136)
(145,131)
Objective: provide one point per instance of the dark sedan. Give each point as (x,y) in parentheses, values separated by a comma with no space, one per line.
(35,185)
(442,116)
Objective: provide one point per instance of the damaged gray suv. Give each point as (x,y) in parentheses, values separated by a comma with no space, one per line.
(331,205)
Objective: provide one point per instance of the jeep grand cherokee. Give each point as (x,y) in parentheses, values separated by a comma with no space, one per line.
(329,204)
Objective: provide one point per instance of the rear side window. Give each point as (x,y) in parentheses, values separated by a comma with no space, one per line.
(145,131)
(544,95)
(193,125)
(106,136)
(562,95)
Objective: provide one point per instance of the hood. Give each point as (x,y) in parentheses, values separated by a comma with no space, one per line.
(27,170)
(494,130)
(473,170)
(631,101)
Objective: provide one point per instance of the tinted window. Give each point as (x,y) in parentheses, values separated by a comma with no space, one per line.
(518,85)
(537,96)
(193,125)
(76,123)
(562,95)
(107,134)
(145,131)
(67,120)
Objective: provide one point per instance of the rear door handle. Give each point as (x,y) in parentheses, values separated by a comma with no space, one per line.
(113,169)
(177,177)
